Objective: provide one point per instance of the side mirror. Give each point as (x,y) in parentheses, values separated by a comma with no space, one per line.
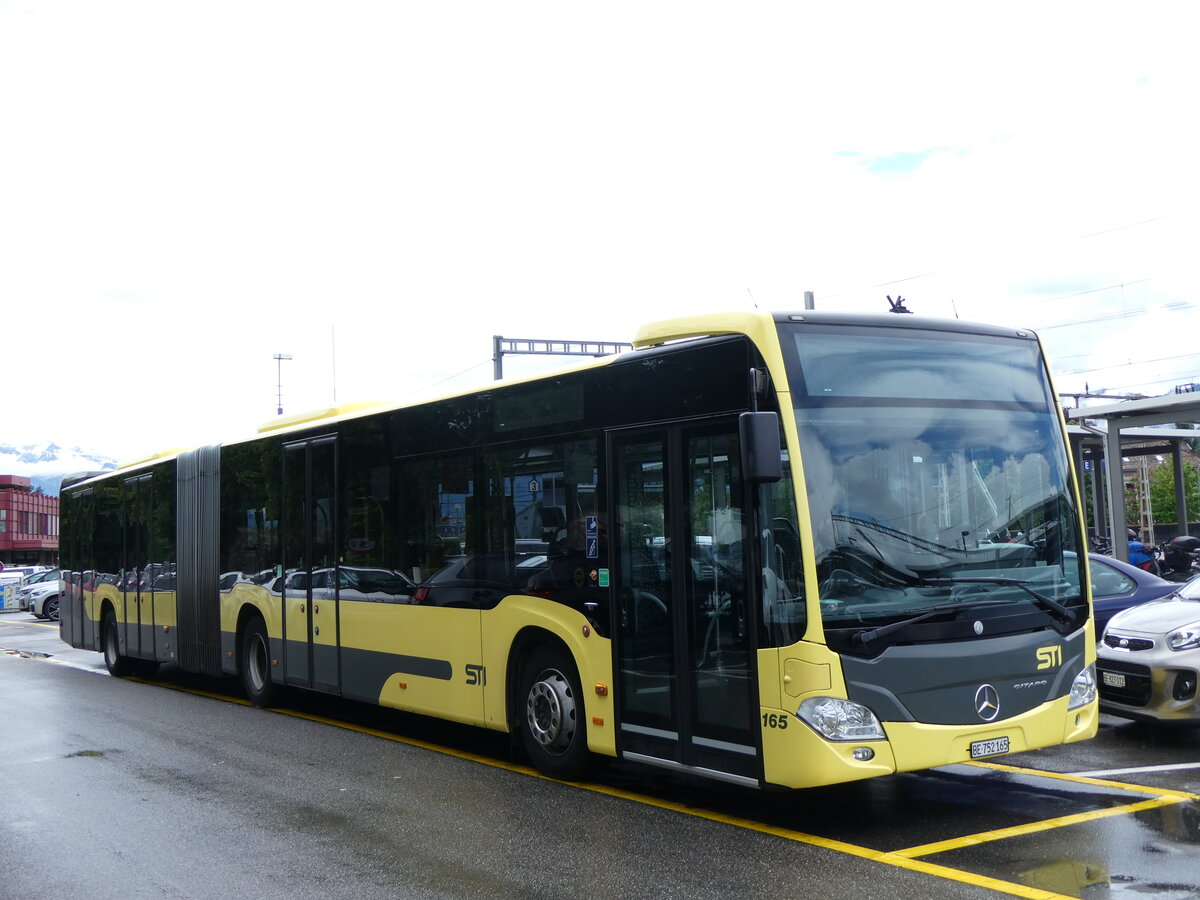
(759,432)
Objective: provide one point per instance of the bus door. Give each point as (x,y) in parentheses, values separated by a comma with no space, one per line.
(135,580)
(310,623)
(687,693)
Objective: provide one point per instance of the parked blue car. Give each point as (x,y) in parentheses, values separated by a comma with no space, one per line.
(1117,585)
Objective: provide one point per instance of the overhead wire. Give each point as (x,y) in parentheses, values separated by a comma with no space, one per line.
(1136,362)
(471,368)
(1079,237)
(1124,313)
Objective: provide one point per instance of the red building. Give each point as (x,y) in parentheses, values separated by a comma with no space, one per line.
(28,524)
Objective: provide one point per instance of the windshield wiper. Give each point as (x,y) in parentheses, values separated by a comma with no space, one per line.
(865,637)
(1048,602)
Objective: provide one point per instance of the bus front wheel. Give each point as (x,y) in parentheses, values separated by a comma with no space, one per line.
(256,664)
(551,714)
(116,663)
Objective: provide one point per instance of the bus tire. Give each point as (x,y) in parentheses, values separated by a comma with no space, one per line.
(116,663)
(255,665)
(551,714)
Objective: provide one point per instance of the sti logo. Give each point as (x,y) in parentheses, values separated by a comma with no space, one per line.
(476,675)
(1049,657)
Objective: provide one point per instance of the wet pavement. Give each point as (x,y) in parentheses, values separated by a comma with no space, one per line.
(1118,816)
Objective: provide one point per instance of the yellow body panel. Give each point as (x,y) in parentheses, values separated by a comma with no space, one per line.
(425,632)
(165,610)
(244,594)
(295,619)
(919,746)
(166,618)
(803,670)
(798,757)
(95,601)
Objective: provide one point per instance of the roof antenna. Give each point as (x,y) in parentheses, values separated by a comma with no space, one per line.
(752,300)
(898,305)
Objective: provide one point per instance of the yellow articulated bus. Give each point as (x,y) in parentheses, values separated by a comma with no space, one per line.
(770,549)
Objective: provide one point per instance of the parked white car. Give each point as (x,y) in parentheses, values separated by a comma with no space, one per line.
(1148,662)
(41,599)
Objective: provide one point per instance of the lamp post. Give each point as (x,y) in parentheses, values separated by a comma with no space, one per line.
(279,358)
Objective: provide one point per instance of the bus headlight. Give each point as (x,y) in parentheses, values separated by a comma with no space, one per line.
(840,720)
(1083,691)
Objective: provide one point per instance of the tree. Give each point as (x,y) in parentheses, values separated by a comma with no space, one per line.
(1162,492)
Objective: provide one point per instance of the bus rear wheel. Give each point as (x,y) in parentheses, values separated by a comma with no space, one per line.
(116,663)
(551,714)
(256,664)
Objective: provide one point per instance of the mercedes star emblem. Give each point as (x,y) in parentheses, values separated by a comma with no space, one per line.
(987,702)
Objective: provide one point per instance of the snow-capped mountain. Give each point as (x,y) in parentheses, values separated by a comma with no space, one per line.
(46,464)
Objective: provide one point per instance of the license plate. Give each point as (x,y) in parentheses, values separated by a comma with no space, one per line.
(1114,679)
(989,748)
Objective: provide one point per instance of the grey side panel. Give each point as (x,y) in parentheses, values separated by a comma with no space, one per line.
(198,591)
(365,672)
(937,684)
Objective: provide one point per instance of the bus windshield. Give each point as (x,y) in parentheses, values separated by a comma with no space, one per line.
(937,483)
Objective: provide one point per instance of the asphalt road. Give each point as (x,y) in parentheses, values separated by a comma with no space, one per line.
(122,788)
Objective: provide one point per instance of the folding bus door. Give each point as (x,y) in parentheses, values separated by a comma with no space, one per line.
(311,645)
(687,693)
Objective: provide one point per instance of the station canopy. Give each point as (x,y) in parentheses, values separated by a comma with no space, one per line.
(1125,430)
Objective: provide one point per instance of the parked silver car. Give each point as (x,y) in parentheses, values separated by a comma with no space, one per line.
(1148,661)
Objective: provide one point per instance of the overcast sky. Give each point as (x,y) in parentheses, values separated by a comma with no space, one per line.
(188,189)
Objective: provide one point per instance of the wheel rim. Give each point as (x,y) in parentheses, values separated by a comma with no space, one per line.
(550,711)
(51,609)
(110,644)
(256,662)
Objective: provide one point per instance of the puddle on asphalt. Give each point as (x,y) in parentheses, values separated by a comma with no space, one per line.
(90,754)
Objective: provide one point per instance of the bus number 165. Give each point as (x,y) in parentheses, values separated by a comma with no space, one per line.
(775,720)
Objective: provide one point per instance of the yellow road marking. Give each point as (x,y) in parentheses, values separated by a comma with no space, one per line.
(1034,827)
(1163,797)
(23,623)
(1085,779)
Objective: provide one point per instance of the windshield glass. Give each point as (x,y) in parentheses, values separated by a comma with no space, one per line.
(1190,590)
(937,481)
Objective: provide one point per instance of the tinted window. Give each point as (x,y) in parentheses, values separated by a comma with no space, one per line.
(1107,581)
(250,508)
